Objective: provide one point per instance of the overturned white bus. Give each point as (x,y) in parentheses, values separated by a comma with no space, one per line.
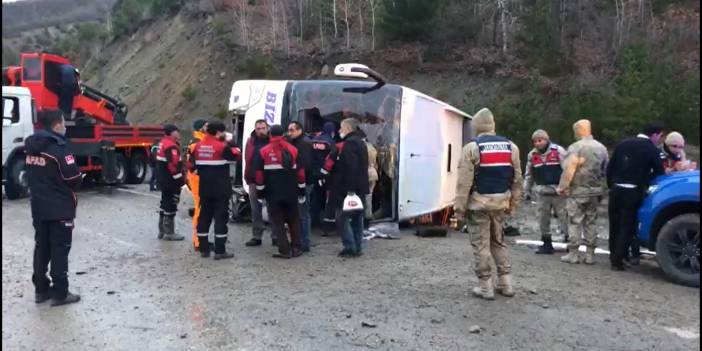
(418,138)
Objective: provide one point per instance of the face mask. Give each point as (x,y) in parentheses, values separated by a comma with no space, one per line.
(62,130)
(342,135)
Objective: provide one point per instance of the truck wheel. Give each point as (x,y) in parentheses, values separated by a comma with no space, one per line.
(16,185)
(678,249)
(121,169)
(137,169)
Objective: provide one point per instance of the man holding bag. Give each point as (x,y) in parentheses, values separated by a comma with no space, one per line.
(349,186)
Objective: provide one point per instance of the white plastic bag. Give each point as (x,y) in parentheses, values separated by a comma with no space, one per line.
(352,203)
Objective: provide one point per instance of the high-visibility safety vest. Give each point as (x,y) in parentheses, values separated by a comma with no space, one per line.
(495,172)
(547,170)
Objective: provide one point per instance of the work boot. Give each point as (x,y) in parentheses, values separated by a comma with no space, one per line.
(484,289)
(274,242)
(504,285)
(571,257)
(589,256)
(169,229)
(547,247)
(41,297)
(161,229)
(253,242)
(69,298)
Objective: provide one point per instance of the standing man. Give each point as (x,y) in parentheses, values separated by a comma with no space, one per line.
(582,183)
(543,168)
(212,156)
(322,145)
(489,186)
(635,162)
(257,140)
(170,178)
(199,128)
(350,176)
(53,175)
(304,160)
(280,180)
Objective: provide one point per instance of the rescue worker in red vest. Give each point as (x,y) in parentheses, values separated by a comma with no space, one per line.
(327,181)
(170,178)
(212,156)
(280,180)
(199,127)
(543,172)
(489,187)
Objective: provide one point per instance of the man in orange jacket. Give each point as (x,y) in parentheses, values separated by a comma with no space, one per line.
(193,178)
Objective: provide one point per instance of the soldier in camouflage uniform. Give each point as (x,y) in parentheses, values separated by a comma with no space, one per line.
(582,182)
(543,172)
(489,186)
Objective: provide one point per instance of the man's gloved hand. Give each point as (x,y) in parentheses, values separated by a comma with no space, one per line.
(321,181)
(300,200)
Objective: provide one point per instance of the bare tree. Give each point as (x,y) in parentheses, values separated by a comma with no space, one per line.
(360,20)
(241,14)
(373,4)
(346,19)
(274,20)
(336,30)
(503,23)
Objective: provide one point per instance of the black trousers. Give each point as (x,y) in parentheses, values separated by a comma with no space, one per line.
(52,245)
(318,199)
(282,213)
(169,202)
(153,181)
(216,209)
(624,205)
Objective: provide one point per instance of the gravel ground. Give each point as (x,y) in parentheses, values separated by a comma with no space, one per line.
(139,293)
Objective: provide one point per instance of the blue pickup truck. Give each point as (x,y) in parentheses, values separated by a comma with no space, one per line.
(669,223)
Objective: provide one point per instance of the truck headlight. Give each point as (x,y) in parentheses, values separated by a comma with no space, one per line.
(652,188)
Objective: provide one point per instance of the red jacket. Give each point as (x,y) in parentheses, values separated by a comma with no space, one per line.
(275,182)
(169,164)
(212,158)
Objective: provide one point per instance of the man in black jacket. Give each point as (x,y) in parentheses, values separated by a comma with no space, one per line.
(635,162)
(304,159)
(350,176)
(53,174)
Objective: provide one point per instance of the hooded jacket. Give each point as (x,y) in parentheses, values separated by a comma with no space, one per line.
(349,172)
(585,165)
(169,164)
(53,176)
(468,196)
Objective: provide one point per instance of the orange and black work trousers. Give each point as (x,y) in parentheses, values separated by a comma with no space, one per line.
(194,184)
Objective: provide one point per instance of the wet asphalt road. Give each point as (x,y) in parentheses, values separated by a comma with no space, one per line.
(139,293)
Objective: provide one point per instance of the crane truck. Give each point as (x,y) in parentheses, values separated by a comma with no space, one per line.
(107,147)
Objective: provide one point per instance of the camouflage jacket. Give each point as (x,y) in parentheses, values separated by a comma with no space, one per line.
(584,168)
(529,185)
(469,199)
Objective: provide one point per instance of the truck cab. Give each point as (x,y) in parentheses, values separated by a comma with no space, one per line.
(669,223)
(19,116)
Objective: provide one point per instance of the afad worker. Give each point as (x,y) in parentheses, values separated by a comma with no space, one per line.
(53,175)
(212,156)
(199,127)
(489,186)
(170,178)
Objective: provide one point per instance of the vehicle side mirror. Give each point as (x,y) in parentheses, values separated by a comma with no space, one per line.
(351,70)
(8,105)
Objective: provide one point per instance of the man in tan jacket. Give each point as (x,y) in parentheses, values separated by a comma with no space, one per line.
(489,187)
(583,184)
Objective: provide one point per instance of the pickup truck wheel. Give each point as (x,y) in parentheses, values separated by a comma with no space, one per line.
(678,249)
(137,169)
(16,185)
(121,169)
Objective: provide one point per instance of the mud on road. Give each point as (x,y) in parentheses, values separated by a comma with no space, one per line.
(139,293)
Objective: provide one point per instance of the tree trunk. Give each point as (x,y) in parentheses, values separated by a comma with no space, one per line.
(372,5)
(336,30)
(321,28)
(503,24)
(360,19)
(346,19)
